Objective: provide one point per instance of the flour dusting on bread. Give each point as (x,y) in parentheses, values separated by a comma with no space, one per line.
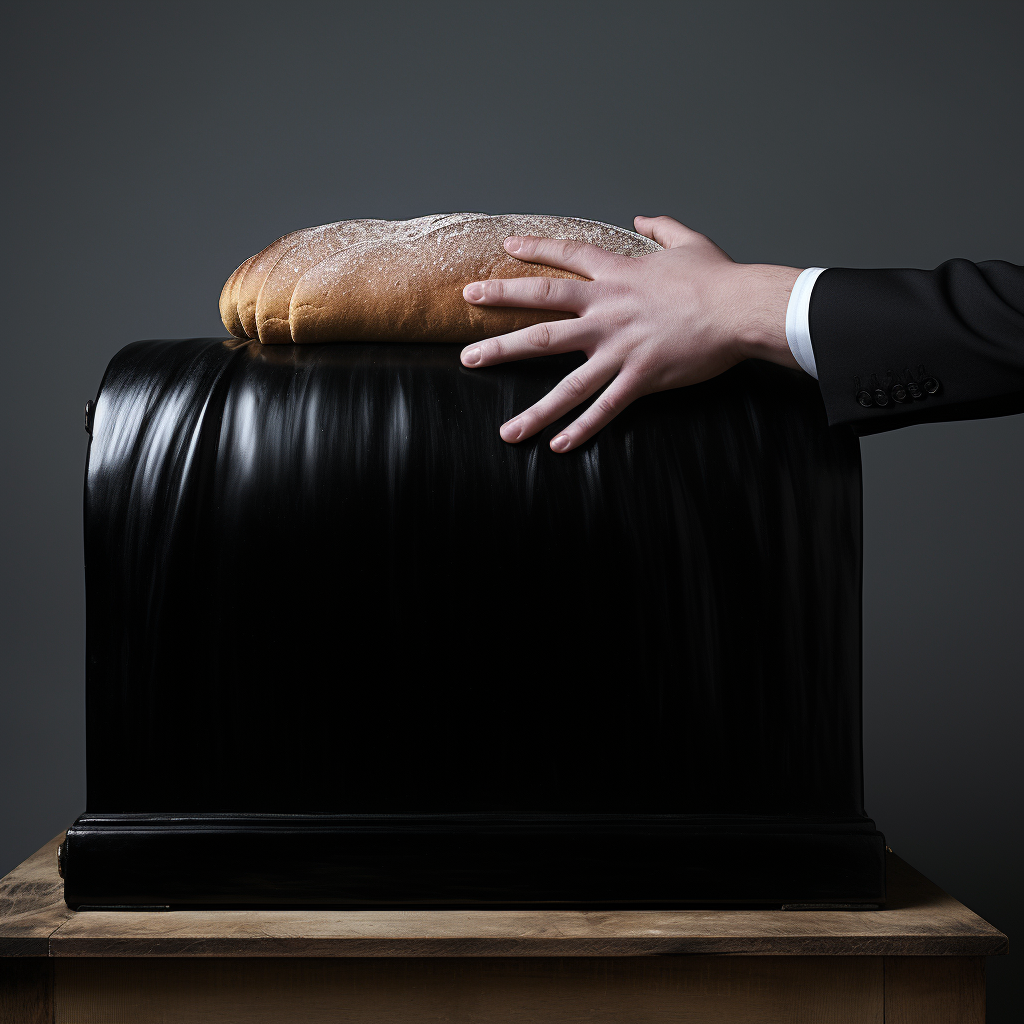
(399,280)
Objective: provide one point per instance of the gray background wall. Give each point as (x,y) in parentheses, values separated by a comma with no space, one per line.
(149,152)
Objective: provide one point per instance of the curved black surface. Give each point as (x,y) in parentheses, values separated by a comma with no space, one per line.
(318,582)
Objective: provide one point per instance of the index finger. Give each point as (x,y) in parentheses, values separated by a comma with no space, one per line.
(565,253)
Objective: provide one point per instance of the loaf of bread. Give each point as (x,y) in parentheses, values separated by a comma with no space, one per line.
(377,280)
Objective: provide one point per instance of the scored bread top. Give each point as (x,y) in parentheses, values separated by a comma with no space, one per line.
(311,246)
(229,300)
(256,273)
(315,245)
(399,280)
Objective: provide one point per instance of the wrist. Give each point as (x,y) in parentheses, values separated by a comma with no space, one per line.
(758,297)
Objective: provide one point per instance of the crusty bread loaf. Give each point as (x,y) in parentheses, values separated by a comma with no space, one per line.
(251,281)
(315,245)
(229,300)
(398,280)
(284,261)
(274,292)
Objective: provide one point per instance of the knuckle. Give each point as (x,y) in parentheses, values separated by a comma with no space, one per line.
(607,405)
(571,248)
(539,336)
(494,290)
(574,387)
(528,421)
(543,288)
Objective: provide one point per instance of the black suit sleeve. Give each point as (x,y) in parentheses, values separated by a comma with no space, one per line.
(894,347)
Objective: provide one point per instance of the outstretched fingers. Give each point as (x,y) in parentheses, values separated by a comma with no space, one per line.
(564,397)
(531,292)
(539,340)
(576,257)
(666,231)
(620,393)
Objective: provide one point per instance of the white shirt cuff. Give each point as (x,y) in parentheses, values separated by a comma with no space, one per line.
(798,328)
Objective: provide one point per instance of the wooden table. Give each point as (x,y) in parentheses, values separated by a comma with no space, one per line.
(919,960)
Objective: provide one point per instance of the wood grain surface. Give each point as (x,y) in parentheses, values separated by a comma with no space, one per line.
(919,920)
(557,990)
(32,904)
(26,990)
(934,990)
(919,961)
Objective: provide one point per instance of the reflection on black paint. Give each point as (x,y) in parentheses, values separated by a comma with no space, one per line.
(318,581)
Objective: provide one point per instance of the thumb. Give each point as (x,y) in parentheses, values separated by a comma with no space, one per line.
(668,233)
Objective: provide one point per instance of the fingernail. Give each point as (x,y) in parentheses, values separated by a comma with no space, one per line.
(471,356)
(510,431)
(514,243)
(560,443)
(473,292)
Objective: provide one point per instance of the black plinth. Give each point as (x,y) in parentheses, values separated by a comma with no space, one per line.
(347,647)
(473,859)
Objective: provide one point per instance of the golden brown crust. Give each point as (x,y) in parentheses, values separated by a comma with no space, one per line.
(271,310)
(316,244)
(252,280)
(403,280)
(229,301)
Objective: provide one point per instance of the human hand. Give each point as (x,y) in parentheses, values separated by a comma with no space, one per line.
(665,320)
